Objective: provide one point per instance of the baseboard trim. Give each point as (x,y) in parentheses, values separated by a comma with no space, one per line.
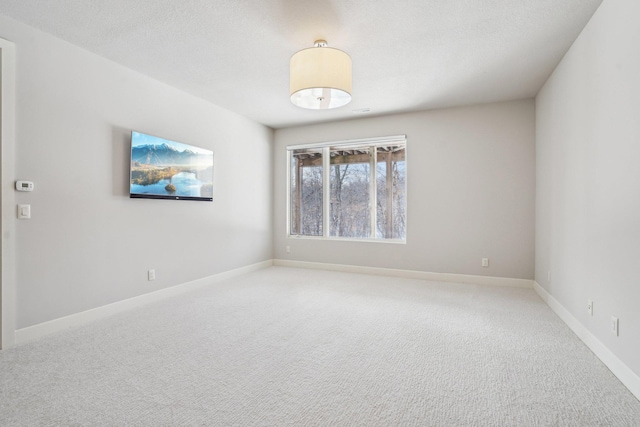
(615,365)
(78,319)
(409,274)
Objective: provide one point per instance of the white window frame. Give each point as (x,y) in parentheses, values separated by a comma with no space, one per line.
(326,186)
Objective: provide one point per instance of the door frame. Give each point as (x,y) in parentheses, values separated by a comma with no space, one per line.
(7,200)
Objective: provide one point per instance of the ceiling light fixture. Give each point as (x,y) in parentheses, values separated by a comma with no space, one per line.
(320,77)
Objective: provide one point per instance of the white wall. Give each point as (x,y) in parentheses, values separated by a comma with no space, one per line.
(588,179)
(87,243)
(471,191)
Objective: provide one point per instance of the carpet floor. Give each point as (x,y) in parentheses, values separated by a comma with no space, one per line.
(292,347)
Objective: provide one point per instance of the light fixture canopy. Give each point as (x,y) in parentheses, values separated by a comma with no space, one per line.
(320,77)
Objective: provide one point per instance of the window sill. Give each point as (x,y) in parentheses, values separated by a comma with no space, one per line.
(347,239)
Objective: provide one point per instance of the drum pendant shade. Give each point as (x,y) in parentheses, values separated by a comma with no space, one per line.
(320,77)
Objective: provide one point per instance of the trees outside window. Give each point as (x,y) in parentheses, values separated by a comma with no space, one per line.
(306,193)
(391,193)
(366,197)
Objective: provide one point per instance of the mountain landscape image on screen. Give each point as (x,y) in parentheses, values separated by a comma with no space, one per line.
(169,169)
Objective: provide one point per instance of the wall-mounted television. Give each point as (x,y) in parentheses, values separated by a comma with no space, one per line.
(164,169)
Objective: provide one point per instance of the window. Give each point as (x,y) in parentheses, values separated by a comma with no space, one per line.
(306,192)
(352,189)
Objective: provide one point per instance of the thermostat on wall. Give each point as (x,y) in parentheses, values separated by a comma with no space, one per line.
(24,185)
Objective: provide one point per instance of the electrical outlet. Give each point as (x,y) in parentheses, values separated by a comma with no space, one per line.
(614,325)
(151,274)
(287,249)
(590,307)
(485,262)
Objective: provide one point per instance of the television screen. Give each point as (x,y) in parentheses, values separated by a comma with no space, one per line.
(164,169)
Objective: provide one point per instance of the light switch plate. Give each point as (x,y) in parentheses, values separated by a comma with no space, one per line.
(24,211)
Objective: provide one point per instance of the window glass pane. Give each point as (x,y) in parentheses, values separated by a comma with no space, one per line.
(390,192)
(306,192)
(349,178)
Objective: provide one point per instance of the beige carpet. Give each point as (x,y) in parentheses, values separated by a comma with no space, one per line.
(289,347)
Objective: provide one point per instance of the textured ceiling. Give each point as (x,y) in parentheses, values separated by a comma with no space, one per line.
(407,54)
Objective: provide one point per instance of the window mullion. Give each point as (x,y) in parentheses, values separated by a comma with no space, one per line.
(389,192)
(373,194)
(326,190)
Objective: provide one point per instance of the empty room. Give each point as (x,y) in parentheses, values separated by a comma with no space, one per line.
(320,213)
